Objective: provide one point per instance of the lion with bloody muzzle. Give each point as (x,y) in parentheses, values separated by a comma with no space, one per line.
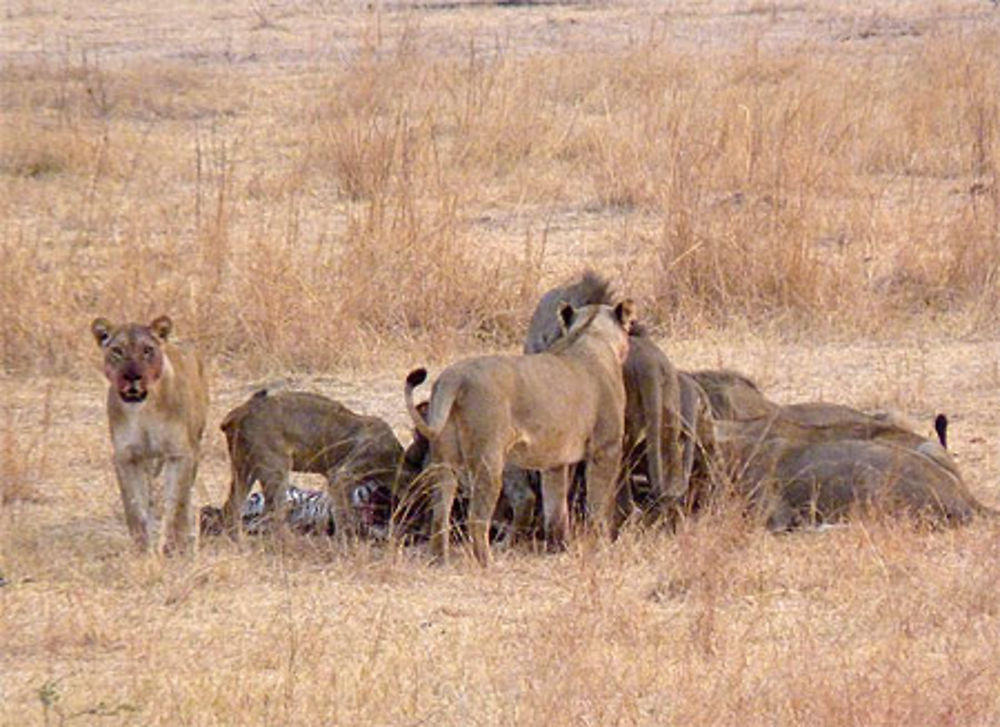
(157,403)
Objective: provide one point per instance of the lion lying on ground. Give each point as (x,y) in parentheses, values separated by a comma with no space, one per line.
(734,397)
(792,483)
(271,435)
(157,402)
(544,411)
(813,462)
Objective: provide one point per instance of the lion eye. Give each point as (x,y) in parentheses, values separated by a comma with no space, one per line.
(117,352)
(148,352)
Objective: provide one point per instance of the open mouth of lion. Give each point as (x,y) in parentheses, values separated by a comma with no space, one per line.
(132,396)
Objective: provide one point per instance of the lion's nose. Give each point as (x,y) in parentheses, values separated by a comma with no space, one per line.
(131,375)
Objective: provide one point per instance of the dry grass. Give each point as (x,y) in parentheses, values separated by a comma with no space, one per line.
(330,193)
(847,173)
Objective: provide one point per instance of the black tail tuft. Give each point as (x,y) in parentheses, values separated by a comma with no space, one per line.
(416,377)
(941,427)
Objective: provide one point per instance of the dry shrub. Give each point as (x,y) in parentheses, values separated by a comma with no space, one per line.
(422,273)
(360,131)
(768,175)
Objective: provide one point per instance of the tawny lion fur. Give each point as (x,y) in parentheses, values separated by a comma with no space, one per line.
(517,494)
(271,435)
(157,402)
(815,462)
(656,438)
(800,482)
(543,411)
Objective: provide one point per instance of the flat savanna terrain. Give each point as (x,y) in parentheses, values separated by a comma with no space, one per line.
(324,195)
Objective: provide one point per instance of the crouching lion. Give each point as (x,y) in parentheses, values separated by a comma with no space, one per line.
(157,402)
(544,411)
(271,435)
(795,483)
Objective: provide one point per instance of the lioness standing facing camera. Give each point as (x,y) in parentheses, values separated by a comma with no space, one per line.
(157,402)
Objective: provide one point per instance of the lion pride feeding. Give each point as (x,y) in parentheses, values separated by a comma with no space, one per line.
(592,392)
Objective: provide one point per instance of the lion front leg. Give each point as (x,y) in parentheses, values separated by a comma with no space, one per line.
(675,483)
(239,490)
(555,509)
(274,477)
(232,511)
(345,522)
(182,524)
(179,474)
(133,484)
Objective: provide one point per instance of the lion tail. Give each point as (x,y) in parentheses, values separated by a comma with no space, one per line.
(941,427)
(440,408)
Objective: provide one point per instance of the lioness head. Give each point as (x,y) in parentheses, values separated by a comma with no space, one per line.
(133,355)
(611,322)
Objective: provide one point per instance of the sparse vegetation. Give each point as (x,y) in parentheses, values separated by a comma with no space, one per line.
(331,193)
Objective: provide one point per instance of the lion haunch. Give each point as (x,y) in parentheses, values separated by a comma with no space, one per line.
(544,411)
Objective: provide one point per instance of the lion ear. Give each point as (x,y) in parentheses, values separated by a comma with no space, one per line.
(625,313)
(161,327)
(566,315)
(101,328)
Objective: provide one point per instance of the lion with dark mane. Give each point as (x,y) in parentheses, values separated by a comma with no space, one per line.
(668,432)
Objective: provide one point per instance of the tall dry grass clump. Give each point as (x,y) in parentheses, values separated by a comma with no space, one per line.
(809,185)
